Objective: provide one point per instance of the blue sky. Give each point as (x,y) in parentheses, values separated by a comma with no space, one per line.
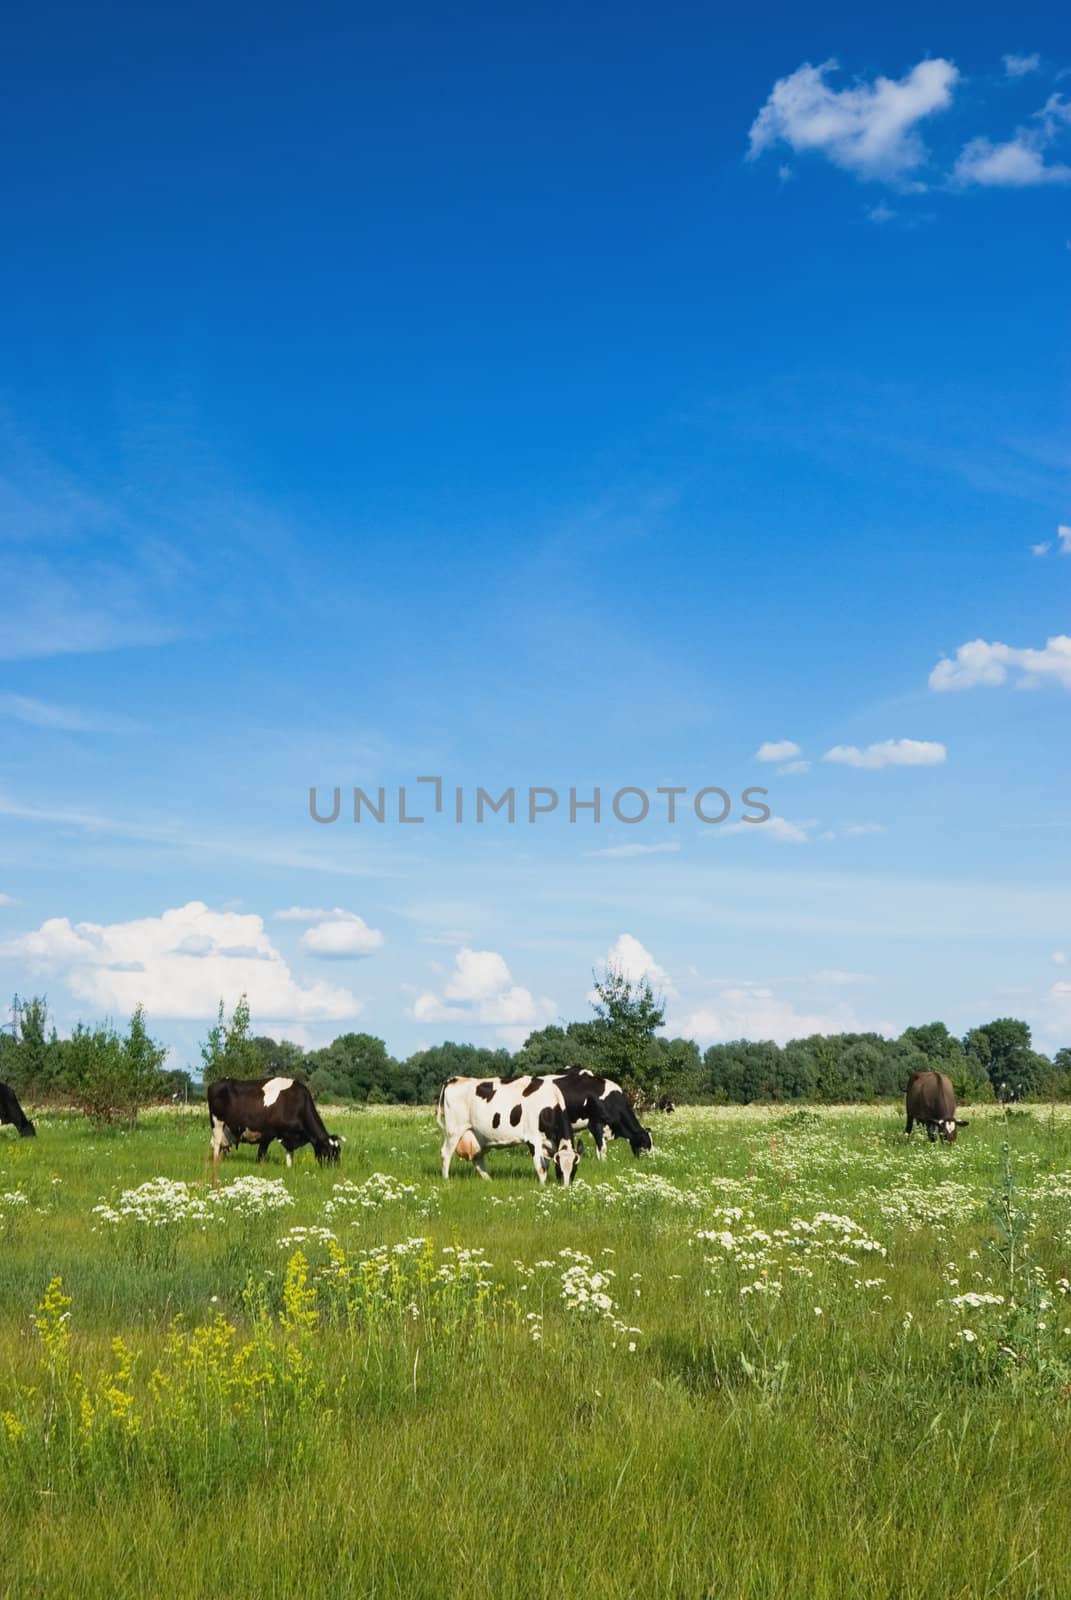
(571,399)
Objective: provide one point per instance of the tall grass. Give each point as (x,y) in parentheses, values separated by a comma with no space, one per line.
(783,1357)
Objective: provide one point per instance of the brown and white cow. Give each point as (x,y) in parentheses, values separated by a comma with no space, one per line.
(480,1114)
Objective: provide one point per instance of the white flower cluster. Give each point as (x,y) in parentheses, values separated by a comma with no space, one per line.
(251,1197)
(377,1190)
(303,1238)
(165,1202)
(586,1297)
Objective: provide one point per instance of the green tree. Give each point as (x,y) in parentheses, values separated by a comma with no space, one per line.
(555,1048)
(111,1078)
(355,1066)
(628,1015)
(230,1051)
(1003,1049)
(33,1062)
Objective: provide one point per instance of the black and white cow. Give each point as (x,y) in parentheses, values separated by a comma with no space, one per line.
(601,1105)
(480,1114)
(258,1110)
(11,1111)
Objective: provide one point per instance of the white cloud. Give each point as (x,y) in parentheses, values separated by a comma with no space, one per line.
(880,213)
(868,129)
(1018,66)
(793,767)
(753,1011)
(340,937)
(65,719)
(1063,533)
(625,851)
(858,830)
(337,934)
(629,957)
(6,900)
(179,964)
(889,753)
(777,750)
(1059,958)
(1040,549)
(983,664)
(480,992)
(1018,163)
(777,828)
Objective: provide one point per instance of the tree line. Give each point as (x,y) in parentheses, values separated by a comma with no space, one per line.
(110,1074)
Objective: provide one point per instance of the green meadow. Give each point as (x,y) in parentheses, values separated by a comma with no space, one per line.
(789,1354)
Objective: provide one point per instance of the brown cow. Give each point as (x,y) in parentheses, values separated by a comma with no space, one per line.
(931,1100)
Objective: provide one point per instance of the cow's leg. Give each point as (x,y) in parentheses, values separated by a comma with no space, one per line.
(478,1163)
(598,1133)
(931,1131)
(262,1147)
(450,1144)
(220,1142)
(540,1162)
(910,1125)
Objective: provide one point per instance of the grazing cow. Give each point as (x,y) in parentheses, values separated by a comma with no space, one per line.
(258,1110)
(931,1100)
(601,1105)
(11,1111)
(479,1114)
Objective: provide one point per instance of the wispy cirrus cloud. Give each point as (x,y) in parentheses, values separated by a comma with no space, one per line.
(1017,66)
(625,852)
(64,719)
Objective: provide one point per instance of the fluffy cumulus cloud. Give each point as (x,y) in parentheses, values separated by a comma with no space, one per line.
(1016,163)
(754,1011)
(178,965)
(634,962)
(869,129)
(1021,162)
(480,992)
(337,935)
(980,664)
(888,753)
(777,750)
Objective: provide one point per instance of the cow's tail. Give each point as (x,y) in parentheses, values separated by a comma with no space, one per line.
(440,1115)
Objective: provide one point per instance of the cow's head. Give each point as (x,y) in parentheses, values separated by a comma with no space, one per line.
(27,1131)
(641,1142)
(330,1152)
(567,1159)
(950,1126)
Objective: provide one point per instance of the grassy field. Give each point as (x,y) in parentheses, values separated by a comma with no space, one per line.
(745,1366)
